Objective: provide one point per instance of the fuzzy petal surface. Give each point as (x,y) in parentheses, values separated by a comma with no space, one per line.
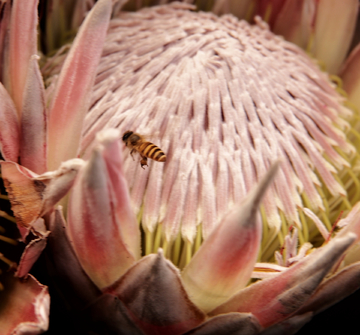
(23,44)
(33,121)
(155,298)
(275,299)
(24,306)
(112,154)
(225,261)
(94,228)
(72,95)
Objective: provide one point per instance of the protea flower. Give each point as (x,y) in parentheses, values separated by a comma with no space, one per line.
(208,91)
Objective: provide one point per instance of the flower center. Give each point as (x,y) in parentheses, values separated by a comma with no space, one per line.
(222,99)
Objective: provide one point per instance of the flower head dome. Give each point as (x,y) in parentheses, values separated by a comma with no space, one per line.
(223,99)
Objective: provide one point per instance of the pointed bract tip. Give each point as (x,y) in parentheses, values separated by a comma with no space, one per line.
(107,135)
(75,163)
(257,193)
(160,252)
(35,57)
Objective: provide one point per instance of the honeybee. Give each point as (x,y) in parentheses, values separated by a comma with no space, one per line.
(146,149)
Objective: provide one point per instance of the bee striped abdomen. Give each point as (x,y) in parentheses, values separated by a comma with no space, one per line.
(152,151)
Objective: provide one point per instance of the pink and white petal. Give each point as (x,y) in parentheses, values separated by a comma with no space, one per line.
(93,226)
(334,289)
(24,306)
(218,271)
(334,29)
(81,9)
(319,225)
(112,154)
(72,95)
(296,21)
(25,193)
(32,252)
(68,275)
(350,75)
(33,121)
(275,299)
(9,127)
(231,323)
(23,44)
(155,298)
(288,327)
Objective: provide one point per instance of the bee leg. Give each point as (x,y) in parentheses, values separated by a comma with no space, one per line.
(131,153)
(143,162)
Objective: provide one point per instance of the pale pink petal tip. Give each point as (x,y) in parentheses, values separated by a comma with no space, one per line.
(218,271)
(71,98)
(112,155)
(275,299)
(27,306)
(155,298)
(108,135)
(58,183)
(22,45)
(33,120)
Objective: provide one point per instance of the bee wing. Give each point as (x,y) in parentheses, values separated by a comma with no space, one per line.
(149,136)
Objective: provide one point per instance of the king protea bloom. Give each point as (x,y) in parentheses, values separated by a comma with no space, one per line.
(259,146)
